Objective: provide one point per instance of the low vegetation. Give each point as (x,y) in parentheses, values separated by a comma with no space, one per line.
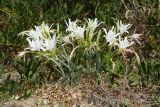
(105,49)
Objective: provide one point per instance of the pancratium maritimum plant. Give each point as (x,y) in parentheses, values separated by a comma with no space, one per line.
(124,44)
(91,31)
(84,40)
(111,36)
(42,38)
(115,37)
(80,35)
(84,33)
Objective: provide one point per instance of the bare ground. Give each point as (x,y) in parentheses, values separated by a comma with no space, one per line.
(89,95)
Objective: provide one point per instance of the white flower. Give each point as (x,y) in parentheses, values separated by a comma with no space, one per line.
(93,24)
(122,28)
(79,31)
(111,36)
(49,44)
(40,38)
(38,31)
(76,31)
(34,45)
(35,33)
(124,43)
(71,25)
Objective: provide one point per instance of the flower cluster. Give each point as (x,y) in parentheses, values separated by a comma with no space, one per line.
(79,32)
(41,38)
(115,36)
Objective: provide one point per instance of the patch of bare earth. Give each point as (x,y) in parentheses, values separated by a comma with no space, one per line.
(88,95)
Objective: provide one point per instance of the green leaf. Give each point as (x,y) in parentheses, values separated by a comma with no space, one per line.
(78,8)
